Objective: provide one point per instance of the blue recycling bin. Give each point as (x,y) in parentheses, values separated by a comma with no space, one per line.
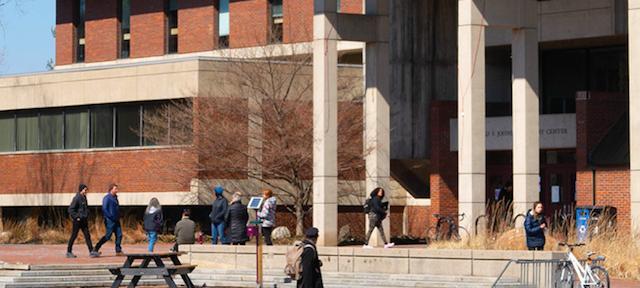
(589,218)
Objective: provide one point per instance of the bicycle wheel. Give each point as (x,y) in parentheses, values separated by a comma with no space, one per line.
(564,276)
(459,233)
(601,276)
(432,235)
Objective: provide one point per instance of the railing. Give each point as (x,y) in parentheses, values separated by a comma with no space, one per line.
(533,273)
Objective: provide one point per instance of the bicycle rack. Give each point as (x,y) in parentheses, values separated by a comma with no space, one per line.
(532,273)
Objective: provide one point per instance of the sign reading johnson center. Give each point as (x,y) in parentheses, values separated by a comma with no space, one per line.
(556,131)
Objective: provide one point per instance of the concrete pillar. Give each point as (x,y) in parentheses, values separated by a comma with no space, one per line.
(471,111)
(634,112)
(376,106)
(526,143)
(325,118)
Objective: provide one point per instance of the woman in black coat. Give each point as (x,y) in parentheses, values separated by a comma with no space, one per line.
(236,219)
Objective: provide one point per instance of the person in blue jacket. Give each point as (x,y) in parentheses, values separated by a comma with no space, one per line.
(111,214)
(534,226)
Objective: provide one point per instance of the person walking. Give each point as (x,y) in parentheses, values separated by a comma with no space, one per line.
(236,220)
(111,214)
(268,215)
(153,222)
(311,276)
(376,215)
(218,212)
(534,226)
(79,213)
(185,230)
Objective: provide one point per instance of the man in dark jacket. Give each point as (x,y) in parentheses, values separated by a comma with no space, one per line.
(218,212)
(534,225)
(185,230)
(236,220)
(310,263)
(79,212)
(377,214)
(111,214)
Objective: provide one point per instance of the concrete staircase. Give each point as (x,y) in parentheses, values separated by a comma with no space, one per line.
(98,276)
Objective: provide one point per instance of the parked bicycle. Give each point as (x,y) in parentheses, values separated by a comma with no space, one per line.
(589,274)
(447,229)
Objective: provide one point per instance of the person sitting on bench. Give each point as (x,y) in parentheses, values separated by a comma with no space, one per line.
(185,230)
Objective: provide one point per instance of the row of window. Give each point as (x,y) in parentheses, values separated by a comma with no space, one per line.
(98,126)
(171,25)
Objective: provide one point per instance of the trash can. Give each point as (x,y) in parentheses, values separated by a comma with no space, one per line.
(592,220)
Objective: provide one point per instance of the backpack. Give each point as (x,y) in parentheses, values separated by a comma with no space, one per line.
(293,268)
(367,206)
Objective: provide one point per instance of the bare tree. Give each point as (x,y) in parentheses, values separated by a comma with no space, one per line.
(253,121)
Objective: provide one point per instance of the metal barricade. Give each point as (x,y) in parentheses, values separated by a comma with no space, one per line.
(532,273)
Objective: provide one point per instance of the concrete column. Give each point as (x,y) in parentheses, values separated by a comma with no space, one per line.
(634,112)
(376,106)
(526,143)
(325,118)
(471,111)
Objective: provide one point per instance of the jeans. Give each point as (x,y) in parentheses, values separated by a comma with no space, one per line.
(77,225)
(152,236)
(218,230)
(375,222)
(112,227)
(540,248)
(266,232)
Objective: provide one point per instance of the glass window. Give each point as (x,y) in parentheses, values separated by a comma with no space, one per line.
(125,16)
(102,126)
(79,25)
(171,11)
(51,125)
(27,132)
(609,69)
(127,125)
(223,18)
(155,124)
(7,132)
(564,72)
(276,21)
(76,129)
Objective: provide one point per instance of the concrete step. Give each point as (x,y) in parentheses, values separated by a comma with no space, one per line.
(143,282)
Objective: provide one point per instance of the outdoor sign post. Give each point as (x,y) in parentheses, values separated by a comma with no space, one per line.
(255,203)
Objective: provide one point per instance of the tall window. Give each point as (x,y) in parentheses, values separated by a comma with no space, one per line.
(124,17)
(76,128)
(27,132)
(171,12)
(223,23)
(128,125)
(276,21)
(78,24)
(102,126)
(7,132)
(51,123)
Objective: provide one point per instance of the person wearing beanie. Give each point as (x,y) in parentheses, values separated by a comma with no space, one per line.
(217,215)
(79,212)
(310,263)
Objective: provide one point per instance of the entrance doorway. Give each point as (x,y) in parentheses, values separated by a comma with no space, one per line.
(558,180)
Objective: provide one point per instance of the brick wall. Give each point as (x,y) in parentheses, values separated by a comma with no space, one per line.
(419,218)
(147,28)
(197,26)
(444,174)
(134,170)
(248,23)
(594,117)
(101,31)
(64,32)
(351,6)
(298,21)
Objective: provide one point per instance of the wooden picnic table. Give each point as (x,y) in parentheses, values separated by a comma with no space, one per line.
(160,269)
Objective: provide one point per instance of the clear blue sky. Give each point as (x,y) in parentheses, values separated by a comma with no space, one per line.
(26,42)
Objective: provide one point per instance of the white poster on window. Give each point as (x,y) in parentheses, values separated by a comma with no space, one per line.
(555,194)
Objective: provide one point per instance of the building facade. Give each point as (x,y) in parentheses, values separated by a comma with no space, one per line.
(461,98)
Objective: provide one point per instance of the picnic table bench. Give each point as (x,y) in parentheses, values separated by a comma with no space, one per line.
(160,269)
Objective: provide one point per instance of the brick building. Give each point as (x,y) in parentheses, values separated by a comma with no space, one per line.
(117,58)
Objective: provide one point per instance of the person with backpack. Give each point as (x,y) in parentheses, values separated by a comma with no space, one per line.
(79,213)
(534,226)
(218,212)
(377,212)
(236,219)
(153,222)
(303,263)
(268,215)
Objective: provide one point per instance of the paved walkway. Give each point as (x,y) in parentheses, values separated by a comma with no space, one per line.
(55,254)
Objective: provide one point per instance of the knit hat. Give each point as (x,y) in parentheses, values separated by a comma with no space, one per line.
(312,232)
(81,187)
(218,190)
